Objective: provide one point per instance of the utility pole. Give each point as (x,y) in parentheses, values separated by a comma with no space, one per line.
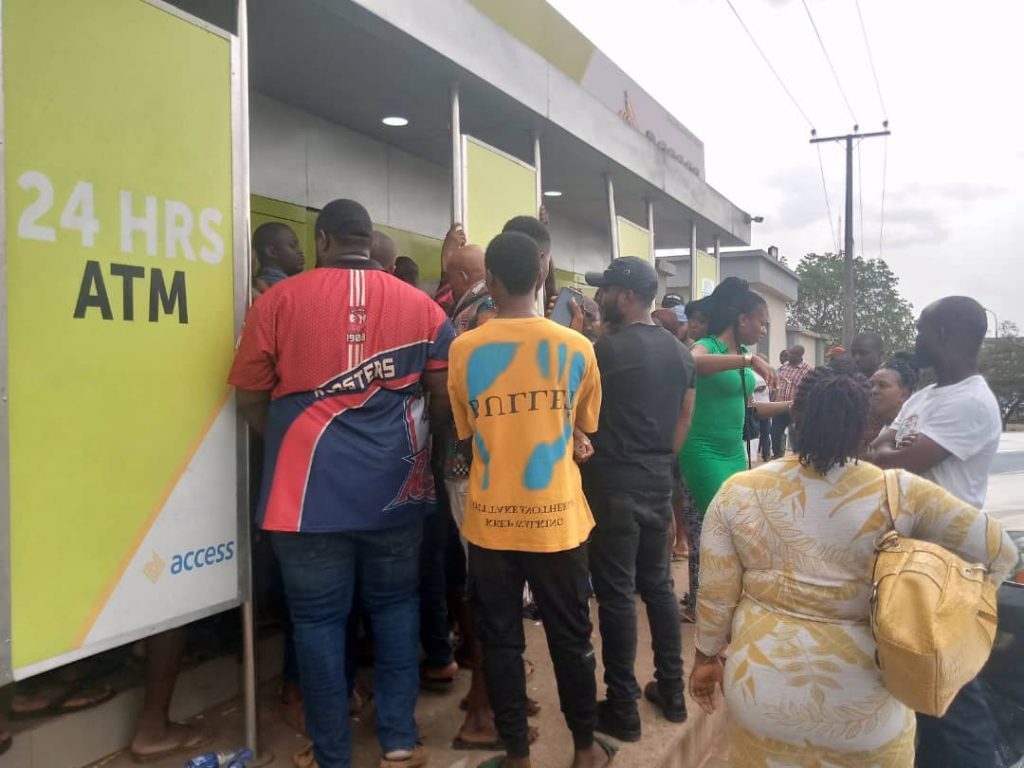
(848,281)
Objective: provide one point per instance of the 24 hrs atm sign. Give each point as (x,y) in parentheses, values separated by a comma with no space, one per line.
(146,227)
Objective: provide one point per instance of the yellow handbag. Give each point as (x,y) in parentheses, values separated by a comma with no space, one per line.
(933,616)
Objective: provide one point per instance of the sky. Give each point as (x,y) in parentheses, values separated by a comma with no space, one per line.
(950,79)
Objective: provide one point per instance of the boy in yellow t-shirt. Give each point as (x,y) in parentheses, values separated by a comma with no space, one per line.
(519,386)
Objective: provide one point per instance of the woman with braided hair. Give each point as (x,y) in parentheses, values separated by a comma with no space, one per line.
(891,386)
(737,319)
(785,556)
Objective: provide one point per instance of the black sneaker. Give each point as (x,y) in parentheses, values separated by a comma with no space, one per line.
(624,726)
(672,706)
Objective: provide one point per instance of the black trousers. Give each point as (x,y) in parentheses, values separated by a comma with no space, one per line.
(764,443)
(962,738)
(779,425)
(629,551)
(561,589)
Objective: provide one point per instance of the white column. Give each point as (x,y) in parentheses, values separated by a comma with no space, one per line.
(613,222)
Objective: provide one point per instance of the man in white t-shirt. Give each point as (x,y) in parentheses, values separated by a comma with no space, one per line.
(949,433)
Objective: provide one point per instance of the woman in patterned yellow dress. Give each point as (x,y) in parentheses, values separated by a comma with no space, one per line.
(785,555)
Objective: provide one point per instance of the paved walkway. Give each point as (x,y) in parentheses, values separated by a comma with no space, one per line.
(664,744)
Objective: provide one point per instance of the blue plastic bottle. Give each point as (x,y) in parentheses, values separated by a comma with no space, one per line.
(221,759)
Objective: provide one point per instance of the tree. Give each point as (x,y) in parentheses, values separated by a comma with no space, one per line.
(877,303)
(1002,365)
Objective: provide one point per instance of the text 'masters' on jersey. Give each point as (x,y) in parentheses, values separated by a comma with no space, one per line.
(342,351)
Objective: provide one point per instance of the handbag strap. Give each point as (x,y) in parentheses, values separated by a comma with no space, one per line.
(892,495)
(743,429)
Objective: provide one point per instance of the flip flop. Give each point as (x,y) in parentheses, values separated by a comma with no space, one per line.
(437,684)
(610,747)
(462,745)
(189,745)
(59,704)
(498,745)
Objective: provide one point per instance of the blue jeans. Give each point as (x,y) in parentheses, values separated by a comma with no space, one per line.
(321,573)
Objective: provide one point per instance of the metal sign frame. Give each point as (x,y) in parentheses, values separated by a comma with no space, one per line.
(241,281)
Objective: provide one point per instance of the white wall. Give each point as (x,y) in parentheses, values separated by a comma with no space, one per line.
(776,340)
(302,159)
(577,247)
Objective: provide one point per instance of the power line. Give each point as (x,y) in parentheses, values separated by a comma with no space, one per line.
(881,224)
(828,58)
(871,59)
(764,56)
(828,205)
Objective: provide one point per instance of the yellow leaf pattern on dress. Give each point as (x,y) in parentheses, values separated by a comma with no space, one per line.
(785,558)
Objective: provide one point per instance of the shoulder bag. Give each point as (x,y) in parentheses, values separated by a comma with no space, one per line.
(933,616)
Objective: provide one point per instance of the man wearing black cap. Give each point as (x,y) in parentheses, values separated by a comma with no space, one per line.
(647,377)
(331,369)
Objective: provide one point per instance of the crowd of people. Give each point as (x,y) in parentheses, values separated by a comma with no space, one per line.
(430,462)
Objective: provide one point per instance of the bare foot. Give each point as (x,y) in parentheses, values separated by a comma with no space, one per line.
(171,738)
(594,757)
(292,711)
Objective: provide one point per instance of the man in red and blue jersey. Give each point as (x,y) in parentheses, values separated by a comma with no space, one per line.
(332,368)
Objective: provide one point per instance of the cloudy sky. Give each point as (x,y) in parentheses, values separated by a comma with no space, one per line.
(950,76)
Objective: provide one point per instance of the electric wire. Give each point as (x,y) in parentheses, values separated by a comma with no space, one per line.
(764,56)
(871,59)
(828,58)
(828,204)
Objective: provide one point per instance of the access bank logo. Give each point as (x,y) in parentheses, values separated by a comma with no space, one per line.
(190,560)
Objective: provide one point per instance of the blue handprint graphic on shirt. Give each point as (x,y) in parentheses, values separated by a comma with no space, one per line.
(484,366)
(541,465)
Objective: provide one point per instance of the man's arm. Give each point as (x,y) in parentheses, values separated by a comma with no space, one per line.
(440,407)
(683,422)
(916,455)
(253,404)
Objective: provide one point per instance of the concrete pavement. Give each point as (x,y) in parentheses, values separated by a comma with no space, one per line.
(1005,500)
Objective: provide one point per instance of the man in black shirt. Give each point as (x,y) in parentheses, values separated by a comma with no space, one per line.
(647,377)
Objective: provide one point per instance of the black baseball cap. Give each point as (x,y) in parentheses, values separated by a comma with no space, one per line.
(629,272)
(670,300)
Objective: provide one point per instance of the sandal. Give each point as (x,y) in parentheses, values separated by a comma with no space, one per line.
(197,738)
(610,748)
(94,695)
(304,757)
(438,680)
(498,745)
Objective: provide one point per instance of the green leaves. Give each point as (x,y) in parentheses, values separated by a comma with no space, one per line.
(878,305)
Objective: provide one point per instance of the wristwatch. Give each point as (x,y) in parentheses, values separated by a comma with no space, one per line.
(748,359)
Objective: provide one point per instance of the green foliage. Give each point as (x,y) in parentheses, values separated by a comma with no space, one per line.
(878,305)
(1002,365)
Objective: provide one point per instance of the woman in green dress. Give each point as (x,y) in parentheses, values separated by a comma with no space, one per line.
(714,449)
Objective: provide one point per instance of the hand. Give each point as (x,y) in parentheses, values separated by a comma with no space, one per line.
(582,448)
(908,440)
(542,214)
(765,371)
(551,306)
(706,675)
(453,240)
(577,316)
